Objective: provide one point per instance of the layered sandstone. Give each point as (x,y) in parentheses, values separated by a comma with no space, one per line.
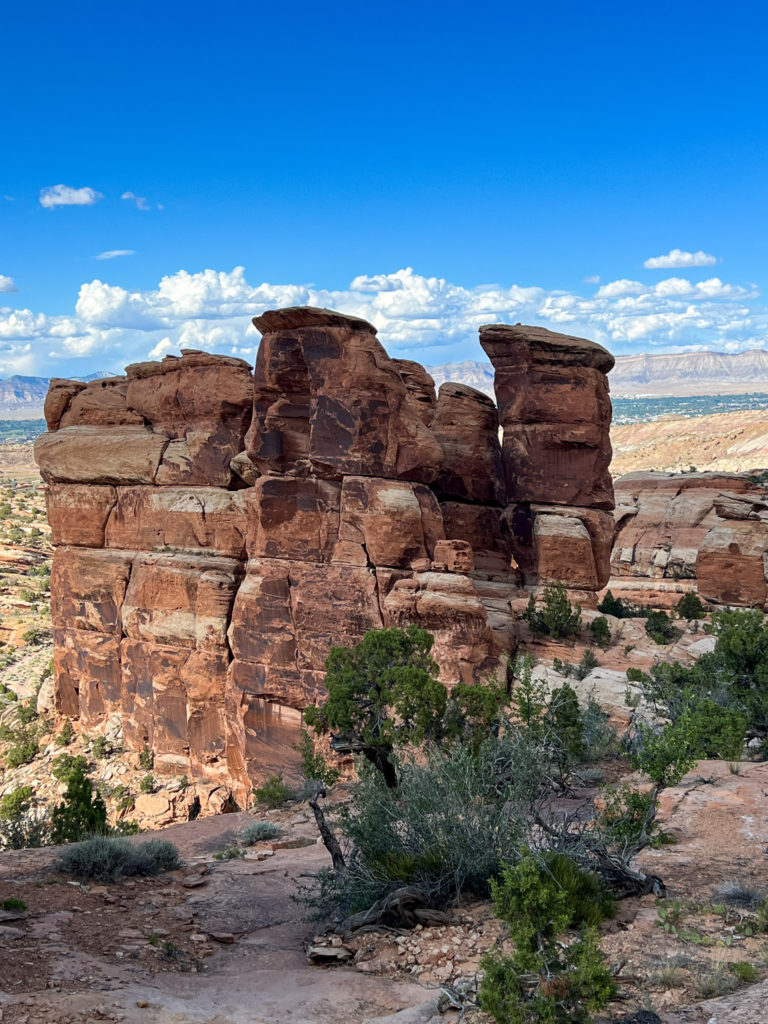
(707,527)
(217,531)
(555,412)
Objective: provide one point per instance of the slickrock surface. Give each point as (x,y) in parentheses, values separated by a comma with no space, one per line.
(218,531)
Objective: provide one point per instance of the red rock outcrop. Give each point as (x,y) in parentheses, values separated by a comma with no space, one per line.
(555,411)
(217,533)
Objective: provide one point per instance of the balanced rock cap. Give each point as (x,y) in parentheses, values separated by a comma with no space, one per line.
(546,346)
(291,317)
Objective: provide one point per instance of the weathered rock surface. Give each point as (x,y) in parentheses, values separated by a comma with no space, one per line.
(218,532)
(552,394)
(662,519)
(329,401)
(731,564)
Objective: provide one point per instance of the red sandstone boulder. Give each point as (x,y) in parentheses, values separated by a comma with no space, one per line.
(94,455)
(555,543)
(466,425)
(293,518)
(454,556)
(552,394)
(387,520)
(329,400)
(102,403)
(60,393)
(731,564)
(420,387)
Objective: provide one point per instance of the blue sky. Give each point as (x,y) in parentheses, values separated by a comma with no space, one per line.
(430,166)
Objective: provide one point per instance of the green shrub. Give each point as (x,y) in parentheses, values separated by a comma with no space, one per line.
(13,904)
(66,735)
(690,607)
(231,853)
(601,631)
(457,815)
(259,832)
(23,750)
(14,805)
(66,764)
(100,748)
(543,980)
(636,675)
(28,831)
(556,616)
(146,759)
(105,859)
(614,606)
(81,813)
(586,664)
(660,628)
(313,764)
(273,792)
(147,784)
(744,972)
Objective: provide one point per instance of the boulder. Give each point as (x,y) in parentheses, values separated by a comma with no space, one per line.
(293,518)
(731,563)
(93,455)
(466,425)
(420,389)
(60,393)
(387,522)
(555,543)
(455,556)
(102,403)
(552,395)
(329,401)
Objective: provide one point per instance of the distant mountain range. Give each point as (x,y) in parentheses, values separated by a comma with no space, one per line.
(688,373)
(22,398)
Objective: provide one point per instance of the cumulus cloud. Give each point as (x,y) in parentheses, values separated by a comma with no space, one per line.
(7,284)
(141,201)
(65,195)
(677,258)
(426,318)
(112,254)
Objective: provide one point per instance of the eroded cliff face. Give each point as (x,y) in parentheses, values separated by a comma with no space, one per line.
(217,530)
(708,527)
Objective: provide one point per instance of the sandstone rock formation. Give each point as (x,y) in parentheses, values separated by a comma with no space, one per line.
(555,411)
(218,531)
(709,527)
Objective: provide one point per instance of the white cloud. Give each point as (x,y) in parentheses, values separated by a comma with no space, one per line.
(677,258)
(592,279)
(65,195)
(112,254)
(7,284)
(141,201)
(426,318)
(621,287)
(161,348)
